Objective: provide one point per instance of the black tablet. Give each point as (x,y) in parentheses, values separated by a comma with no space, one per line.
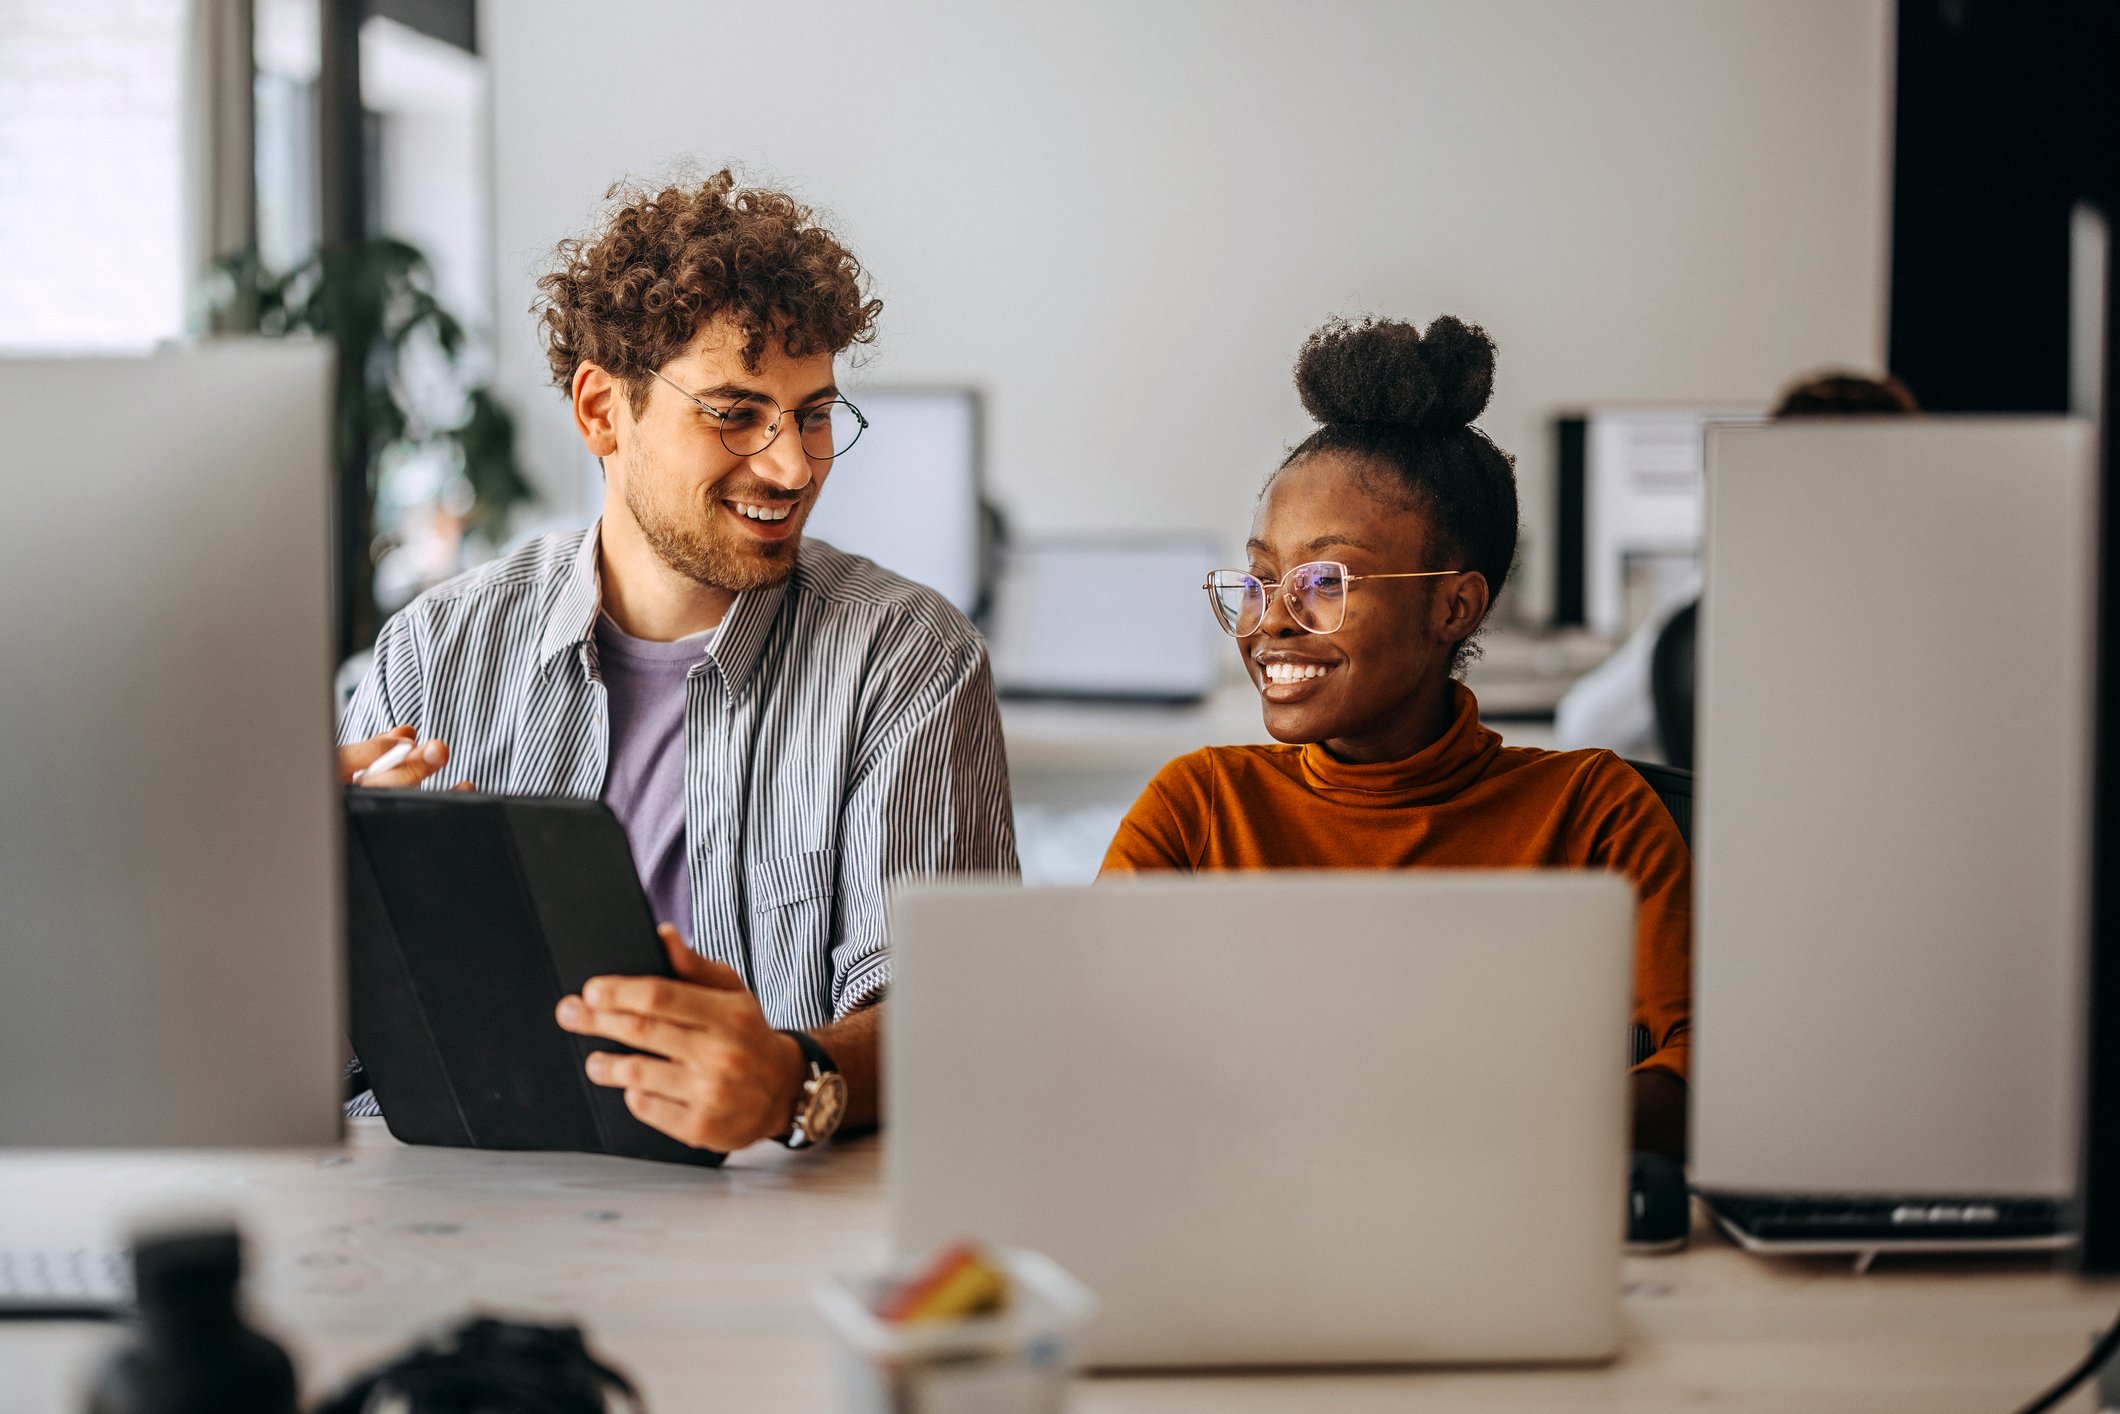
(468,917)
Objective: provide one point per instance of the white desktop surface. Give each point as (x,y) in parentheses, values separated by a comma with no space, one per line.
(695,1283)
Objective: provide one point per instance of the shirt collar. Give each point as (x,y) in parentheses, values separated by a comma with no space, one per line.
(741,643)
(571,621)
(736,648)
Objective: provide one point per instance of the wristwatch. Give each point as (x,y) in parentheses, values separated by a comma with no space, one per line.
(823,1101)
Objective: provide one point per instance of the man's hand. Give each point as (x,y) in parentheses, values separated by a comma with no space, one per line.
(718,1076)
(425,760)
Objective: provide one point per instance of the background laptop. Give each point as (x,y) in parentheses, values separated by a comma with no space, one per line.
(1277,1119)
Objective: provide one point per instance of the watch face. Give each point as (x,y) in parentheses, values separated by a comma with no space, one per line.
(827,1106)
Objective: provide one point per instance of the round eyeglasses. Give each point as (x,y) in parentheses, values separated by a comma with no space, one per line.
(1315,594)
(750,423)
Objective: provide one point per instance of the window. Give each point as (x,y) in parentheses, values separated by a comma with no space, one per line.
(93,247)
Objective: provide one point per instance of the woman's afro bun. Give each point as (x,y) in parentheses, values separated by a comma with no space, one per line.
(1386,372)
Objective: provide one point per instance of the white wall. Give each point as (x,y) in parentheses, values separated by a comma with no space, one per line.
(1121,219)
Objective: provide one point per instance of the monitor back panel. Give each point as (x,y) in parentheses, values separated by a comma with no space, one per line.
(170,914)
(1277,1119)
(1891,806)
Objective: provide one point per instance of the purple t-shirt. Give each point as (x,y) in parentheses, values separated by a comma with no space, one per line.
(644,687)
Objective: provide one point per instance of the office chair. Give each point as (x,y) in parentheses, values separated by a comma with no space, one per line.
(1671,685)
(1674,787)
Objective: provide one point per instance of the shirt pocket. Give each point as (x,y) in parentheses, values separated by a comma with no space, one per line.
(791,935)
(782,880)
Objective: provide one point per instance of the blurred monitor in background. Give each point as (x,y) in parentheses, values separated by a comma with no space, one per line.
(911,501)
(1118,618)
(1627,542)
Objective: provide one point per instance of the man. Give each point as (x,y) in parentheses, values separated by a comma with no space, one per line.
(780,727)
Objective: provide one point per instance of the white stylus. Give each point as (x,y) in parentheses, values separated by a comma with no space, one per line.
(388,761)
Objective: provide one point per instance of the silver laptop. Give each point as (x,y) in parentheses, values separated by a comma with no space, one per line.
(1891,829)
(1277,1119)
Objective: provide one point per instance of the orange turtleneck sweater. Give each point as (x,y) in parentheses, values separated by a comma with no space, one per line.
(1466,802)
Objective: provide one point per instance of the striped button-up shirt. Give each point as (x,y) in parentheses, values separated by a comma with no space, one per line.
(840,732)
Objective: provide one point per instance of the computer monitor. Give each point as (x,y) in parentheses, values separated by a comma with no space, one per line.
(1890,823)
(1061,598)
(1627,532)
(908,495)
(170,915)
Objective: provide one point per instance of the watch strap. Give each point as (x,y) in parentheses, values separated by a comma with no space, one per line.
(813,1051)
(821,1064)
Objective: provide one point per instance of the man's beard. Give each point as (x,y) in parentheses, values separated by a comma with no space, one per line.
(689,545)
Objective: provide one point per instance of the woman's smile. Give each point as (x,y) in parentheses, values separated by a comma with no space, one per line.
(1290,677)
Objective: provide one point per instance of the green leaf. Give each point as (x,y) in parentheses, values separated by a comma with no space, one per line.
(370,298)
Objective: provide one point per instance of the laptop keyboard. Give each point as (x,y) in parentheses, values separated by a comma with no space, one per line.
(49,1281)
(1787,1218)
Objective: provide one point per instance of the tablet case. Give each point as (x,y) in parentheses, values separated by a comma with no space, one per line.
(469,917)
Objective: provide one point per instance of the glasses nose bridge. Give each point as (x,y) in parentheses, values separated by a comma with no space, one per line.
(1279,597)
(782,459)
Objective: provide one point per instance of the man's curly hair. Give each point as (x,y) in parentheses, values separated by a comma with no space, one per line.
(630,296)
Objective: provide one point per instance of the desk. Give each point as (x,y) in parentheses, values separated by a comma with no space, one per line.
(695,1282)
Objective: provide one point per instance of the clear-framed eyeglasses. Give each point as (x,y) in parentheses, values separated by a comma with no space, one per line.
(1315,595)
(750,423)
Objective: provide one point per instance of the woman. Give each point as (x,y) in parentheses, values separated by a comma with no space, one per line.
(1376,552)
